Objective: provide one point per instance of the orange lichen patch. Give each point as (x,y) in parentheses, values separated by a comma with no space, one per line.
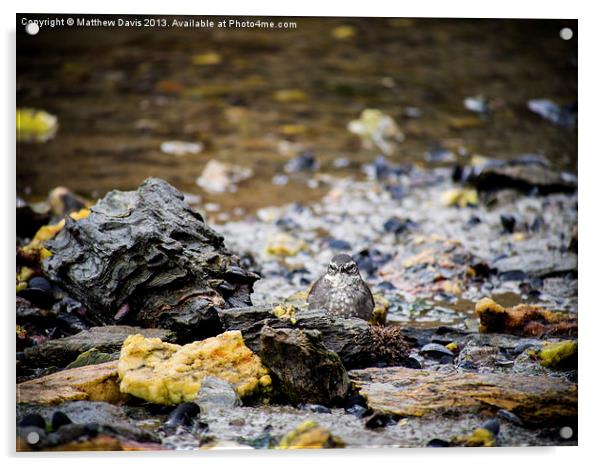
(480,437)
(524,319)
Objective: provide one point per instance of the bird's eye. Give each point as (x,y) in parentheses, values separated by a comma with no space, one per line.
(349,268)
(332,268)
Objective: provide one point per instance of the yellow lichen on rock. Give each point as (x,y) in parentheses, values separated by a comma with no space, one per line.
(557,354)
(381,308)
(284,244)
(36,246)
(284,311)
(166,373)
(460,197)
(310,434)
(480,437)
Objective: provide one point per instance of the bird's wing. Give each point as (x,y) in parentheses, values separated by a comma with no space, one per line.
(312,299)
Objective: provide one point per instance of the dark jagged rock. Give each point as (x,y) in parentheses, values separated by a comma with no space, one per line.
(148,250)
(522,177)
(306,370)
(351,338)
(107,339)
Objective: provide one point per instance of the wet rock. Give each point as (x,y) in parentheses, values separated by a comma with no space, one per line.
(437,351)
(310,434)
(164,373)
(524,319)
(339,244)
(562,354)
(184,415)
(32,420)
(305,161)
(93,383)
(306,370)
(559,115)
(216,394)
(381,169)
(438,443)
(408,392)
(509,416)
(157,256)
(356,342)
(219,177)
(106,339)
(537,264)
(491,177)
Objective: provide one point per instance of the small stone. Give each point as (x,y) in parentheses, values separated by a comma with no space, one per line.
(303,162)
(33,420)
(339,244)
(180,148)
(438,443)
(219,177)
(509,416)
(310,434)
(35,125)
(435,350)
(314,408)
(397,226)
(477,104)
(492,425)
(216,394)
(377,130)
(508,222)
(184,415)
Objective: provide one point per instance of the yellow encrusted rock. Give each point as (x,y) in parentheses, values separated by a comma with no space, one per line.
(310,434)
(165,373)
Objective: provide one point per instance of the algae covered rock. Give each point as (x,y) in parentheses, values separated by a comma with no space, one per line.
(146,257)
(308,372)
(165,373)
(562,354)
(310,434)
(524,319)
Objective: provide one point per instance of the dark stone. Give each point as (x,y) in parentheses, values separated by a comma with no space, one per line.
(438,443)
(492,425)
(379,420)
(541,264)
(303,162)
(508,222)
(148,249)
(314,408)
(339,244)
(183,415)
(396,191)
(525,178)
(39,292)
(306,371)
(33,420)
(397,225)
(510,417)
(30,219)
(60,419)
(370,260)
(435,350)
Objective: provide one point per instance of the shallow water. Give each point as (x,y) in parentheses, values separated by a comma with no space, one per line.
(118,94)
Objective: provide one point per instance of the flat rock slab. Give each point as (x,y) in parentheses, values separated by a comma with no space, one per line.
(410,392)
(94,383)
(106,339)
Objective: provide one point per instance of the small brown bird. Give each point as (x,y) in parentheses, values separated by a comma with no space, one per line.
(341,290)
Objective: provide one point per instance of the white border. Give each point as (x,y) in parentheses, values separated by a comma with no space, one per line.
(590,197)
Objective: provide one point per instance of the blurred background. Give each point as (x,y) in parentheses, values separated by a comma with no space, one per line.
(133,103)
